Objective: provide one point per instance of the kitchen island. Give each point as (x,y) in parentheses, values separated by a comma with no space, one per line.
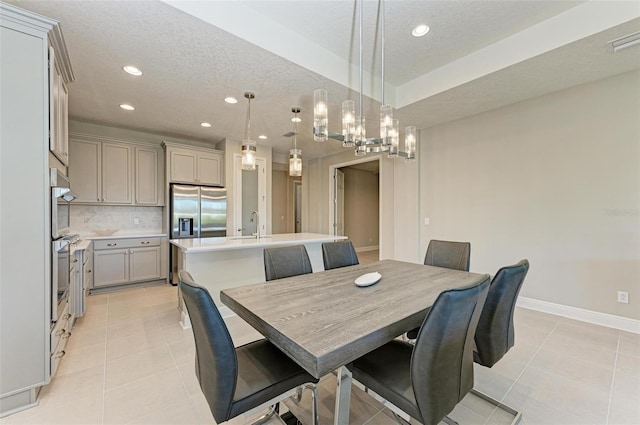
(220,263)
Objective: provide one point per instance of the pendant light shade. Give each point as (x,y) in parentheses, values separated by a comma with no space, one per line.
(295,154)
(410,139)
(320,116)
(394,139)
(349,123)
(248,145)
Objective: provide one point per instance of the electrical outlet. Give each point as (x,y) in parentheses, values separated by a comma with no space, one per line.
(623,297)
(136,220)
(426,221)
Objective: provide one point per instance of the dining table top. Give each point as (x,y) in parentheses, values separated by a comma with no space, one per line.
(324,320)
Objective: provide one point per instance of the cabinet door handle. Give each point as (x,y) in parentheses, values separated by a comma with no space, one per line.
(66,335)
(59,354)
(59,332)
(88,271)
(145,242)
(131,251)
(112,244)
(67,316)
(75,260)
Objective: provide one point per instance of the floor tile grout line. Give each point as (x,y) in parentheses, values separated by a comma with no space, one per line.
(104,374)
(524,369)
(613,377)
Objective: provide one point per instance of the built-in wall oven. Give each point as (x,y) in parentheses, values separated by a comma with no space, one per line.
(61,240)
(61,278)
(61,197)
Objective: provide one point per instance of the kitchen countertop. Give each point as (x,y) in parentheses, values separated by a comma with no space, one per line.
(241,242)
(82,244)
(123,235)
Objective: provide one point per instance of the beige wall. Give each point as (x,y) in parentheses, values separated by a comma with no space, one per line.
(361,207)
(554,179)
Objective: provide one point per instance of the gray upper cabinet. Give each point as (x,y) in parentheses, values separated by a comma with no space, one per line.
(186,164)
(114,172)
(25,285)
(58,110)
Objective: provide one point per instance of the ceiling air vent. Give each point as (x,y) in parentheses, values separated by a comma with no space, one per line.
(626,41)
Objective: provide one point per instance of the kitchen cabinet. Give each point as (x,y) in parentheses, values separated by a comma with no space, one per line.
(146,176)
(26,345)
(124,261)
(194,165)
(112,172)
(101,173)
(80,280)
(58,110)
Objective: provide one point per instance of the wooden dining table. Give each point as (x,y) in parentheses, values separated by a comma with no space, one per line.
(324,321)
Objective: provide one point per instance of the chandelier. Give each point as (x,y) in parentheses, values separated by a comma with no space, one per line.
(353,126)
(295,154)
(248,145)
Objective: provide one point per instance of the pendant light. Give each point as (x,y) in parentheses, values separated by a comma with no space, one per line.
(295,154)
(248,145)
(353,126)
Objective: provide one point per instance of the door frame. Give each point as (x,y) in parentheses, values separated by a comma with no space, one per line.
(332,195)
(261,162)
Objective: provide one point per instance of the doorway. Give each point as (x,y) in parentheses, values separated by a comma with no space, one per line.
(250,194)
(355,195)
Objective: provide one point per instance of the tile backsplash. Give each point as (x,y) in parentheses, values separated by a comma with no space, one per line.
(86,219)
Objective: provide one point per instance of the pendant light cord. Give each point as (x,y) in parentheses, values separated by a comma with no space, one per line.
(248,131)
(382,55)
(361,2)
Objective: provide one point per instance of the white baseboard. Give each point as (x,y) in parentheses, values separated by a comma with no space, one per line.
(368,248)
(597,318)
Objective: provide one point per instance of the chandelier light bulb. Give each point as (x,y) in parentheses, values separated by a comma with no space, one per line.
(410,141)
(349,123)
(320,116)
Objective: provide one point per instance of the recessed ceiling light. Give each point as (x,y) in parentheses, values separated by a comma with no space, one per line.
(262,136)
(205,124)
(127,107)
(132,70)
(296,119)
(420,30)
(231,100)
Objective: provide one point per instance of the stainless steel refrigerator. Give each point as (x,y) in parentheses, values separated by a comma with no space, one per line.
(198,211)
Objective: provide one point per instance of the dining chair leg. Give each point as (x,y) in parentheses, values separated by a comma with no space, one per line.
(400,420)
(315,413)
(447,420)
(517,416)
(343,395)
(267,416)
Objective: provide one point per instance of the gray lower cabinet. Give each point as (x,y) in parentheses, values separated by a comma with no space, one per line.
(122,261)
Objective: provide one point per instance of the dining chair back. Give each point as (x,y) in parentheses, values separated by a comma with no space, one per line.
(495,333)
(286,261)
(338,254)
(448,254)
(428,380)
(237,380)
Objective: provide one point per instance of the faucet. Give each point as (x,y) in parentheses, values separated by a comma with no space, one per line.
(257,223)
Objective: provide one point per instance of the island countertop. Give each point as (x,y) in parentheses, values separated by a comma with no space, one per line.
(244,242)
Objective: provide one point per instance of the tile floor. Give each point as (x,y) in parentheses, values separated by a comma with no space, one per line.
(130,362)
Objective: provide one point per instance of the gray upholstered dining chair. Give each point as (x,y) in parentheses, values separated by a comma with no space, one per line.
(427,380)
(495,332)
(338,254)
(238,380)
(448,254)
(286,261)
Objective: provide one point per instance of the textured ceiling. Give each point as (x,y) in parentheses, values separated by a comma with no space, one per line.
(283,50)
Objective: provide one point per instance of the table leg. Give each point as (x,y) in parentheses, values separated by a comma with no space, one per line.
(343,395)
